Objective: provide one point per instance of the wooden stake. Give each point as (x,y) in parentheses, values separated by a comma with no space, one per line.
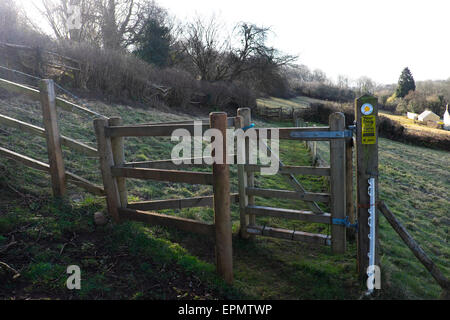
(106,162)
(337,181)
(55,157)
(118,151)
(367,167)
(222,217)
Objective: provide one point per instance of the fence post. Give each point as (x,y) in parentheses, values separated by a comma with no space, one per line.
(246,114)
(222,217)
(367,167)
(242,185)
(350,208)
(118,151)
(106,158)
(52,136)
(337,165)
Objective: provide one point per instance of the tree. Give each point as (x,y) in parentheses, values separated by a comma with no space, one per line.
(203,45)
(253,52)
(57,12)
(405,83)
(246,56)
(153,45)
(112,24)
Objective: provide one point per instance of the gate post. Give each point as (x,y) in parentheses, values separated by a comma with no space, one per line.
(366,116)
(118,150)
(222,217)
(246,114)
(337,167)
(50,120)
(242,185)
(349,144)
(106,157)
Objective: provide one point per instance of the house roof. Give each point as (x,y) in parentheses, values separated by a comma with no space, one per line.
(427,113)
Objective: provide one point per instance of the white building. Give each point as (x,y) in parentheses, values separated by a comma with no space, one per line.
(446,119)
(428,115)
(412,115)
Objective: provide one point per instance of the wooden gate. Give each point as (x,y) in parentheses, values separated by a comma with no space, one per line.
(115,170)
(338,172)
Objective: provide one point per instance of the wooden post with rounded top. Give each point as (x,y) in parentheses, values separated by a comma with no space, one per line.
(222,216)
(52,136)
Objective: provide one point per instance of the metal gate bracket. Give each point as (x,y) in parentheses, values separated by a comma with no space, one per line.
(322,134)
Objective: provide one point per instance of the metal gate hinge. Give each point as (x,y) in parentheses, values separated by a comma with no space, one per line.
(345,222)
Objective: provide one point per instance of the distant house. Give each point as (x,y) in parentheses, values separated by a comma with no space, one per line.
(428,115)
(446,119)
(412,115)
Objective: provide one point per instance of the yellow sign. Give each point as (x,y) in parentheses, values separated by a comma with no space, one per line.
(369,130)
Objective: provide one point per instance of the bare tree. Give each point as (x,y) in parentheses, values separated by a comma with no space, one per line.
(113,24)
(253,52)
(203,45)
(215,58)
(365,85)
(57,13)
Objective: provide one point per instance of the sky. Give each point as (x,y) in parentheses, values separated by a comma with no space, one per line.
(343,37)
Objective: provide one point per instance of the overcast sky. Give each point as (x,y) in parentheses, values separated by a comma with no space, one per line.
(349,37)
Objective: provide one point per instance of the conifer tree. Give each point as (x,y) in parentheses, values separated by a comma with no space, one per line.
(405,83)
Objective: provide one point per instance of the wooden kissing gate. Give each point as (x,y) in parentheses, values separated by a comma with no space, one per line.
(115,170)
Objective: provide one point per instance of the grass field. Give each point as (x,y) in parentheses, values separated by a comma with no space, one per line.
(414,183)
(410,125)
(133,261)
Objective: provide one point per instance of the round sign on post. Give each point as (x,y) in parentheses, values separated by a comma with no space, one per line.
(366,109)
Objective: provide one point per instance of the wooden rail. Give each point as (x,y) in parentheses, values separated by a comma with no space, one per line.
(285,133)
(153,218)
(178,203)
(168,164)
(285,234)
(38,131)
(415,248)
(35,95)
(286,194)
(42,166)
(289,214)
(313,171)
(163,175)
(230,122)
(152,130)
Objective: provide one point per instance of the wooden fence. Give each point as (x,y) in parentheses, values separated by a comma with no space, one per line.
(50,131)
(115,171)
(278,114)
(337,173)
(37,61)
